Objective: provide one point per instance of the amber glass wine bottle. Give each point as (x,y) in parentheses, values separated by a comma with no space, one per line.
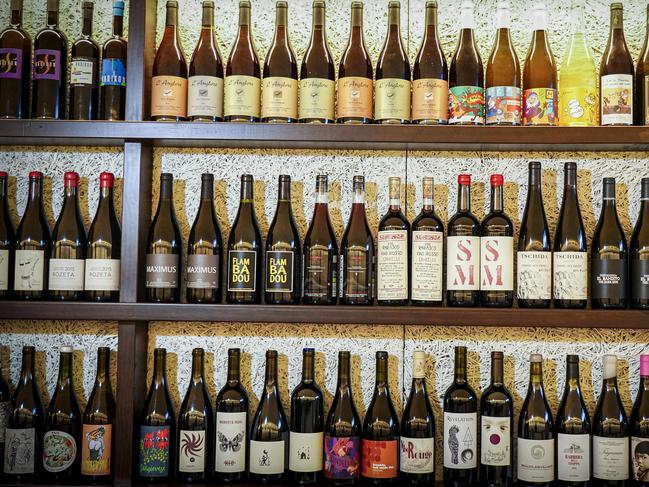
(639,425)
(7,242)
(641,102)
(5,411)
(15,48)
(639,252)
(112,85)
(84,71)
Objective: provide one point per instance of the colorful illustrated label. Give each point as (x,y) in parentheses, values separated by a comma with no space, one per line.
(279,271)
(20,446)
(609,278)
(11,63)
(113,72)
(610,458)
(96,449)
(427,265)
(4,272)
(102,275)
(203,271)
(535,460)
(417,455)
(392,265)
(191,453)
(205,96)
(579,106)
(380,459)
(392,99)
(355,97)
(504,105)
(317,97)
(162,271)
(29,272)
(573,457)
(466,105)
(279,97)
(169,96)
(497,263)
(640,279)
(66,274)
(316,272)
(640,452)
(154,451)
(47,64)
(355,283)
(430,99)
(463,263)
(242,266)
(540,106)
(267,457)
(460,440)
(305,452)
(342,457)
(570,275)
(617,99)
(82,70)
(496,441)
(534,274)
(59,451)
(241,96)
(230,442)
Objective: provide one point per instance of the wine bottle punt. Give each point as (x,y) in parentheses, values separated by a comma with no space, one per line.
(7,242)
(84,71)
(112,85)
(639,426)
(15,47)
(639,252)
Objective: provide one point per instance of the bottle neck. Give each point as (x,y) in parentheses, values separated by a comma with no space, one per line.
(27,368)
(52,18)
(608,199)
(381,372)
(159,368)
(395,196)
(570,185)
(70,200)
(460,368)
(244,22)
(321,192)
(427,195)
(198,367)
(281,30)
(3,189)
(118,25)
(359,194)
(16,13)
(106,199)
(206,205)
(497,371)
(536,375)
(343,373)
(103,365)
(308,367)
(644,200)
(572,375)
(246,191)
(86,29)
(464,198)
(577,20)
(65,369)
(208,18)
(35,193)
(617,20)
(394,25)
(271,371)
(172,17)
(430,26)
(234,367)
(356,32)
(318,32)
(497,199)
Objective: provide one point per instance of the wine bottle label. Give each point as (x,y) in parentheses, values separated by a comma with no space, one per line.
(81,71)
(392,99)
(242,270)
(617,99)
(639,279)
(205,96)
(430,99)
(59,451)
(305,452)
(466,105)
(640,465)
(380,459)
(417,455)
(154,451)
(113,72)
(460,440)
(102,275)
(4,269)
(504,105)
(96,449)
(355,97)
(610,458)
(570,275)
(342,457)
(231,442)
(203,271)
(463,263)
(66,274)
(267,457)
(47,64)
(392,250)
(497,263)
(279,97)
(191,453)
(162,271)
(11,63)
(29,272)
(279,271)
(579,106)
(427,265)
(540,106)
(496,441)
(5,408)
(317,97)
(241,96)
(609,278)
(316,272)
(169,96)
(355,282)
(534,274)
(535,460)
(20,451)
(573,457)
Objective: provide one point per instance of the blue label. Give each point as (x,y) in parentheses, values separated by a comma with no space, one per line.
(154,451)
(113,72)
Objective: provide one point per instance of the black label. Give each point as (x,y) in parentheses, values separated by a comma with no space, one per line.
(162,271)
(279,271)
(609,279)
(640,279)
(242,269)
(202,271)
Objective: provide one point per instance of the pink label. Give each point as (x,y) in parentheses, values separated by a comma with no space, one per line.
(644,365)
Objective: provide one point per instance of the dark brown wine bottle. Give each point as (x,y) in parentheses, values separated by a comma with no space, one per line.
(639,426)
(639,253)
(7,242)
(112,85)
(5,411)
(641,102)
(84,71)
(15,52)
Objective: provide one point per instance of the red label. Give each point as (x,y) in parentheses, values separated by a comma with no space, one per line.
(380,459)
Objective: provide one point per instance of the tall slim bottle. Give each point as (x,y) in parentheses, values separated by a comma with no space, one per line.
(112,84)
(84,71)
(639,253)
(5,411)
(639,426)
(7,243)
(641,102)
(15,48)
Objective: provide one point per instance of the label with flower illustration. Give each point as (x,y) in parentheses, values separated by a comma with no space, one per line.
(59,451)
(154,451)
(342,457)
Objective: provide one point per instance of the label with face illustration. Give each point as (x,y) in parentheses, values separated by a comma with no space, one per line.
(540,106)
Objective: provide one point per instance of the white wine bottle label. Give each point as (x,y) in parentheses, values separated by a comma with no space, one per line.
(59,451)
(463,263)
(496,441)
(96,449)
(355,97)
(392,269)
(640,452)
(534,275)
(203,271)
(66,274)
(460,440)
(5,408)
(279,271)
(279,97)
(155,451)
(497,263)
(81,71)
(29,272)
(570,275)
(392,99)
(169,96)
(267,457)
(640,278)
(417,455)
(241,96)
(162,271)
(427,265)
(242,270)
(354,281)
(4,269)
(430,99)
(205,96)
(535,460)
(191,451)
(617,99)
(609,278)
(102,275)
(230,442)
(573,457)
(317,97)
(305,452)
(610,458)
(20,451)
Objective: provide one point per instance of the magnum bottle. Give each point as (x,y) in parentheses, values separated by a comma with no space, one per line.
(112,84)
(639,426)
(84,71)
(639,253)
(5,411)
(7,242)
(15,49)
(641,102)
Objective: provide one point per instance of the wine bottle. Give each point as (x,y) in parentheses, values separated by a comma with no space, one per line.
(98,422)
(49,80)
(317,74)
(573,431)
(460,428)
(67,260)
(204,250)
(157,426)
(357,253)
(231,424)
(195,426)
(283,253)
(639,426)
(392,251)
(380,431)
(15,48)
(24,433)
(570,258)
(417,451)
(62,426)
(427,252)
(466,76)
(242,92)
(104,247)
(540,96)
(616,74)
(33,244)
(112,85)
(307,425)
(430,75)
(355,75)
(641,102)
(497,429)
(205,85)
(7,243)
(610,431)
(463,250)
(169,78)
(320,251)
(503,78)
(164,244)
(534,256)
(244,251)
(269,435)
(84,71)
(5,411)
(536,432)
(639,252)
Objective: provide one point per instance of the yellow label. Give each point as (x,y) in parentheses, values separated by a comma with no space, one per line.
(241,96)
(579,106)
(355,97)
(168,96)
(317,98)
(430,99)
(392,99)
(279,97)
